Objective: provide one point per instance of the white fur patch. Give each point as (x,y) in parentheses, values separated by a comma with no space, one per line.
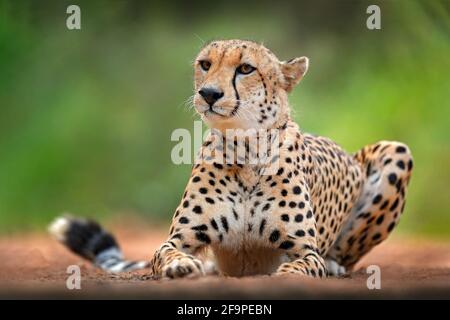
(334,269)
(58,228)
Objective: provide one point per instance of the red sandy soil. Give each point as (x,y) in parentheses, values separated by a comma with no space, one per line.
(34,266)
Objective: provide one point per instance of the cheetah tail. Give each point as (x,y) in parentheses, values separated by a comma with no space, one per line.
(89,240)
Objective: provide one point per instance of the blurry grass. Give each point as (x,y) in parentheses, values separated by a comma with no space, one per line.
(86,116)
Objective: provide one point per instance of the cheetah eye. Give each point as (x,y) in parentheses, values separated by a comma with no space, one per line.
(245,69)
(205,64)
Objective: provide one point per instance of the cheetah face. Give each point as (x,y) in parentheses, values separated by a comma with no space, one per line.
(242,85)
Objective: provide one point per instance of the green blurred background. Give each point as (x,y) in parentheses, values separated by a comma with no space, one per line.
(86,116)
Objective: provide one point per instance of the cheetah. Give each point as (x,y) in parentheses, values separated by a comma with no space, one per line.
(318,214)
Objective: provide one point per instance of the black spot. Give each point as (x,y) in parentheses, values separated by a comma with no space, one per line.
(351,240)
(292,204)
(266,207)
(262,226)
(309,214)
(376,236)
(212,182)
(177,236)
(301,205)
(410,165)
(369,169)
(203,190)
(286,245)
(321,230)
(282,203)
(401,164)
(218,166)
(391,226)
(198,210)
(384,205)
(296,190)
(203,237)
(394,205)
(196,179)
(224,223)
(311,232)
(377,199)
(392,178)
(186,204)
(202,227)
(209,200)
(214,224)
(284,192)
(274,236)
(285,217)
(400,149)
(380,219)
(300,233)
(299,218)
(183,220)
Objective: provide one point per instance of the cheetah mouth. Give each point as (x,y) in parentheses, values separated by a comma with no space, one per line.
(214,112)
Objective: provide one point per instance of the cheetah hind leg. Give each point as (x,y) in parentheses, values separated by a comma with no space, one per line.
(387,167)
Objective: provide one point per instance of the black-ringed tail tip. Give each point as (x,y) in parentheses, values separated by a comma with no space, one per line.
(89,240)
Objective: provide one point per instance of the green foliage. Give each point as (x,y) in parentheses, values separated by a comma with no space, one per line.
(86,116)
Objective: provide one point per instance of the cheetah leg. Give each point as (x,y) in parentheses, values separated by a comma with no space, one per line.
(202,220)
(310,264)
(387,167)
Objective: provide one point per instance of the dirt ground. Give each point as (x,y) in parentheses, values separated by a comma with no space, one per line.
(34,266)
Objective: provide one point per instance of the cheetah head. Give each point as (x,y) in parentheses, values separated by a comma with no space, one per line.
(242,85)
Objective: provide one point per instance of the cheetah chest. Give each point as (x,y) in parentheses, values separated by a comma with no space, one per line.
(243,250)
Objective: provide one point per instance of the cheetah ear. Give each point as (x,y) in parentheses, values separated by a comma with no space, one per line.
(293,71)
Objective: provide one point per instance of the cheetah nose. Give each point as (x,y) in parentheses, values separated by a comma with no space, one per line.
(210,95)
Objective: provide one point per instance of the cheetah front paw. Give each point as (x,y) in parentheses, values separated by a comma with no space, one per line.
(289,268)
(299,269)
(185,267)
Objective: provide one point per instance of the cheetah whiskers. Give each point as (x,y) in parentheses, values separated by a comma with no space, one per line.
(188,104)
